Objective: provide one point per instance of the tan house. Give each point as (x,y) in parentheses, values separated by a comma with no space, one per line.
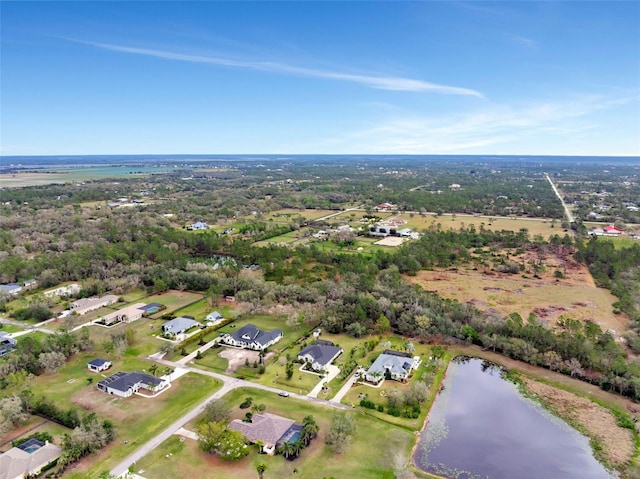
(85,305)
(27,459)
(268,430)
(124,315)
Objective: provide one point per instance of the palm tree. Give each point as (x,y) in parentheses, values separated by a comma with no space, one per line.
(309,429)
(261,468)
(153,369)
(287,449)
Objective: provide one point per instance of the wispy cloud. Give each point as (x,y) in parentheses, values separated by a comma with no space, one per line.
(373,81)
(474,131)
(525,42)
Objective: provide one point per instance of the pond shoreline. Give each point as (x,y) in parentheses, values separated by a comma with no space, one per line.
(619,462)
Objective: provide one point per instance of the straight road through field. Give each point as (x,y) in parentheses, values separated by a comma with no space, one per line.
(570,218)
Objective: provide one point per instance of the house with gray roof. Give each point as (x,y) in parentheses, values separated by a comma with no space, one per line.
(267,429)
(214,317)
(250,337)
(320,354)
(125,384)
(7,343)
(11,288)
(27,459)
(392,365)
(178,326)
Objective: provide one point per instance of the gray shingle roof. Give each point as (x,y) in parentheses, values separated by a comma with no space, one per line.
(249,333)
(124,381)
(321,353)
(179,325)
(393,363)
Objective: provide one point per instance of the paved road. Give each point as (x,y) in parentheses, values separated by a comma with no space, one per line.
(228,384)
(570,217)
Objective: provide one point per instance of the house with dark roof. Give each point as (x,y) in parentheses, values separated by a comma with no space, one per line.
(269,430)
(27,459)
(98,365)
(125,384)
(152,308)
(320,354)
(179,325)
(250,337)
(7,343)
(392,365)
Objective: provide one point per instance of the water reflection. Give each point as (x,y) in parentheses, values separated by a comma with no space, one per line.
(480,427)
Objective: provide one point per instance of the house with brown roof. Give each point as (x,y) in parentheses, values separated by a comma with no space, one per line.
(27,459)
(85,305)
(269,430)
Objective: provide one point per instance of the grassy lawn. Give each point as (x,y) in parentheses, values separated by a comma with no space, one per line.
(173,300)
(198,310)
(210,360)
(10,328)
(139,419)
(275,375)
(370,454)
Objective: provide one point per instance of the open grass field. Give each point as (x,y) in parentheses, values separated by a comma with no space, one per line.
(284,215)
(10,328)
(173,300)
(36,178)
(535,226)
(548,298)
(369,455)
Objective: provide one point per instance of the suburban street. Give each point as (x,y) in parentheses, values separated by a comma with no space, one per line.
(228,384)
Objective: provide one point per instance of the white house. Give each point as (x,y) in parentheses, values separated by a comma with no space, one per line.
(214,317)
(98,365)
(392,364)
(320,354)
(199,225)
(250,337)
(69,290)
(125,384)
(179,325)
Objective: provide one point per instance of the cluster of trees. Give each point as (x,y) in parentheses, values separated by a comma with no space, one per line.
(89,436)
(34,357)
(341,431)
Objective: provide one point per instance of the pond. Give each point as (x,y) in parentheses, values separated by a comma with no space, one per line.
(481,427)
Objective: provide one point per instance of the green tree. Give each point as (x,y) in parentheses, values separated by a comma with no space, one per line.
(261,468)
(340,432)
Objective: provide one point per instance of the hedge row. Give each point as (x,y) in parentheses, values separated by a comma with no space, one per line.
(203,333)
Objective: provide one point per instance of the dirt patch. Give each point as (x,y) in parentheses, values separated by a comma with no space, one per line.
(617,442)
(390,241)
(238,357)
(546,296)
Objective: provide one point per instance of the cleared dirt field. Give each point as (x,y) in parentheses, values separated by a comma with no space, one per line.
(535,226)
(238,357)
(548,298)
(390,241)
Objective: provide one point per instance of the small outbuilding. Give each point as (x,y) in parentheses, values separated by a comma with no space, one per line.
(98,365)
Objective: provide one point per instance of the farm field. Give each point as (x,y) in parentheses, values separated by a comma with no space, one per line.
(548,298)
(363,458)
(535,226)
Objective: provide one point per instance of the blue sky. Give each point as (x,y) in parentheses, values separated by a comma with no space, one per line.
(320,77)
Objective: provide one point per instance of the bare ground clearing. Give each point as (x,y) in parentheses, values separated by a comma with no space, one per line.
(547,297)
(238,357)
(617,442)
